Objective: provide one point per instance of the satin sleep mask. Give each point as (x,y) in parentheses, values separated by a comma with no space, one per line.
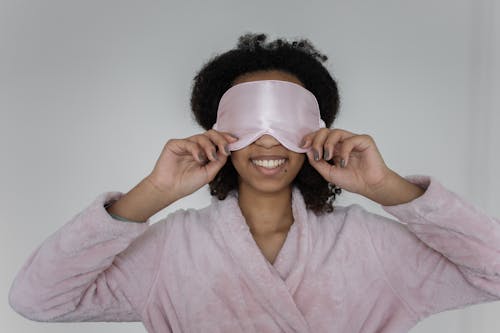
(285,110)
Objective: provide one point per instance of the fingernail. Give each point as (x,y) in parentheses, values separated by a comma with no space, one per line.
(214,154)
(316,155)
(302,143)
(234,136)
(326,155)
(226,149)
(202,157)
(342,163)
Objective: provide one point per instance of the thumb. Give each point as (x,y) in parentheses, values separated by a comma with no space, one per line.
(331,173)
(213,167)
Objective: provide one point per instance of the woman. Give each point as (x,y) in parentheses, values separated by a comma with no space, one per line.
(270,253)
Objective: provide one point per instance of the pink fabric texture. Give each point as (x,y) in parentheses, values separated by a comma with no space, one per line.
(285,110)
(200,270)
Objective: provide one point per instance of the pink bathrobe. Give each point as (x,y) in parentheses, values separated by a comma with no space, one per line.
(200,270)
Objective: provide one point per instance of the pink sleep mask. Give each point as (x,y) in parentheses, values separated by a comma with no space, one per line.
(285,110)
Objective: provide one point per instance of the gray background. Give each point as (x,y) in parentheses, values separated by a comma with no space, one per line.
(90,91)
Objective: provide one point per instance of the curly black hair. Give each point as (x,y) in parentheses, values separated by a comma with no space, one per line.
(253,53)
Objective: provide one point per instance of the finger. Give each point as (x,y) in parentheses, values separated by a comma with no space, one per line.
(207,145)
(359,142)
(336,160)
(230,137)
(307,140)
(213,167)
(186,147)
(219,140)
(335,136)
(330,173)
(318,142)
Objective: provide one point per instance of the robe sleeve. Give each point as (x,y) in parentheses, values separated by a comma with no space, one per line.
(94,268)
(444,255)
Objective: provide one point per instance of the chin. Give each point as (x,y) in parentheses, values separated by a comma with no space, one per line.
(265,186)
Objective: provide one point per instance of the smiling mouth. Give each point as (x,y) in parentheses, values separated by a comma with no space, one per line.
(269,163)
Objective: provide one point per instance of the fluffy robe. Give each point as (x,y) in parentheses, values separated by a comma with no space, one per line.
(200,270)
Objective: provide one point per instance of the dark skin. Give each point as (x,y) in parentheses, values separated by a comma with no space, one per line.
(186,165)
(266,201)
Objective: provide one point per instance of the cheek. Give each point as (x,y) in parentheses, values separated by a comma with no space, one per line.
(295,165)
(300,160)
(238,161)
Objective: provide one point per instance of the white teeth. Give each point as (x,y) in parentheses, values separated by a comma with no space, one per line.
(269,164)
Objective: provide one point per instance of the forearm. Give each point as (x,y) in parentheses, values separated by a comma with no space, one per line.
(63,278)
(466,237)
(444,253)
(141,202)
(394,191)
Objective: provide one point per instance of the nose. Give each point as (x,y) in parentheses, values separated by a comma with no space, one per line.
(267,141)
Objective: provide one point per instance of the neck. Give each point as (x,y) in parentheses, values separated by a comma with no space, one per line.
(266,213)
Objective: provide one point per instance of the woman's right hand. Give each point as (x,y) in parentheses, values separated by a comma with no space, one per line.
(185,165)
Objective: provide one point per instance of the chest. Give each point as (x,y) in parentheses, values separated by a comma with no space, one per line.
(270,245)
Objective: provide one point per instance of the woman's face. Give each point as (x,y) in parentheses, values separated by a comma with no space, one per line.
(265,165)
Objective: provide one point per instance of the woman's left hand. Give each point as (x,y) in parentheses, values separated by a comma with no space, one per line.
(364,170)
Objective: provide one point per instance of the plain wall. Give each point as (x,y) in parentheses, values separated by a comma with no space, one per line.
(90,91)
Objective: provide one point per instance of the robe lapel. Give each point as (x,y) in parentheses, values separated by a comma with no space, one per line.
(272,286)
(292,259)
